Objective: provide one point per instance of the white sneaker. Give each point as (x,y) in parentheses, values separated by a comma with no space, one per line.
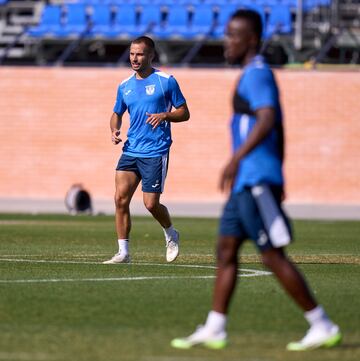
(172,247)
(118,258)
(202,336)
(316,337)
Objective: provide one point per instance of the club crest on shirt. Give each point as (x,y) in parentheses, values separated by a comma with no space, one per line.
(150,89)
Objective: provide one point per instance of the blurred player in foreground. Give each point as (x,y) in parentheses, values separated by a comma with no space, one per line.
(148,95)
(254,177)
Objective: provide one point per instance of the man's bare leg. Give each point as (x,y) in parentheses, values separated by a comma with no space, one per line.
(289,277)
(161,214)
(126,184)
(226,274)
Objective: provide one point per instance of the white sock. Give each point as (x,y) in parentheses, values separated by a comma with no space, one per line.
(216,321)
(123,246)
(318,317)
(169,232)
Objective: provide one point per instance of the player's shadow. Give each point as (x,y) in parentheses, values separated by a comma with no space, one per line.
(349,346)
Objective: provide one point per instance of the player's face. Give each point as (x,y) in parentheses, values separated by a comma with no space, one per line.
(140,57)
(239,39)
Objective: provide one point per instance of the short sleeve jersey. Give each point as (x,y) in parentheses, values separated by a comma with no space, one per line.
(157,93)
(257,89)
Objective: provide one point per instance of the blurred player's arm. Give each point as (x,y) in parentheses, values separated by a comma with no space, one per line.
(265,121)
(115,125)
(180,114)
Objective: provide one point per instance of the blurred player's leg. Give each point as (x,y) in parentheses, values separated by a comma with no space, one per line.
(213,334)
(289,277)
(126,184)
(323,332)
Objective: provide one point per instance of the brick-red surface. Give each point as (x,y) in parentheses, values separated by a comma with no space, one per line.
(55,132)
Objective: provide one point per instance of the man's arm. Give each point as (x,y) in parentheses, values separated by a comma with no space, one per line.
(115,125)
(265,121)
(180,114)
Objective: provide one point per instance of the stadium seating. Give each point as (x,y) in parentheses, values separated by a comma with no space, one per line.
(176,25)
(100,20)
(125,23)
(3,2)
(76,21)
(50,22)
(279,21)
(186,19)
(202,23)
(150,16)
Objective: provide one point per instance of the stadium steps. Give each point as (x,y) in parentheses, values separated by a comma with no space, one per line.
(14,53)
(16,17)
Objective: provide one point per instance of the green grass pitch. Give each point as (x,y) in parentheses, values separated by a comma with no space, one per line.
(58,302)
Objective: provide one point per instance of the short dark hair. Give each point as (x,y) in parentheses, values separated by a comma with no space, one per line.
(146,40)
(253,17)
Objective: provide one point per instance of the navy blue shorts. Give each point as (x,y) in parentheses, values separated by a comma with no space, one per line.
(255,213)
(151,171)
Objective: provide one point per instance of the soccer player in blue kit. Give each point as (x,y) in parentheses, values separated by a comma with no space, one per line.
(149,96)
(253,211)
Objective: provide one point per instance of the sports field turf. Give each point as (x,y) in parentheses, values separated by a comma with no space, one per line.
(58,302)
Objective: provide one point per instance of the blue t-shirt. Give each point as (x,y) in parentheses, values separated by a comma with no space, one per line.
(157,93)
(257,89)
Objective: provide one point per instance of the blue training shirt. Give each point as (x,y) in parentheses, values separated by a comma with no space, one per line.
(157,93)
(257,89)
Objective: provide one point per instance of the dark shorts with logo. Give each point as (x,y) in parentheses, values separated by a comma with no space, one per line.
(151,171)
(256,213)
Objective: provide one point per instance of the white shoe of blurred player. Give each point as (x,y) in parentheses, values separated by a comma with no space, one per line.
(202,336)
(316,337)
(172,247)
(118,258)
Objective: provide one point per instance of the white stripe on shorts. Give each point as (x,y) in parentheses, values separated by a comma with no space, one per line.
(244,126)
(164,170)
(274,221)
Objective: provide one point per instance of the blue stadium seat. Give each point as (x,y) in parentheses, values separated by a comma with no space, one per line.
(308,5)
(325,2)
(49,24)
(242,3)
(3,2)
(267,3)
(279,21)
(202,22)
(92,2)
(76,21)
(125,24)
(216,2)
(164,2)
(100,20)
(176,25)
(224,15)
(151,15)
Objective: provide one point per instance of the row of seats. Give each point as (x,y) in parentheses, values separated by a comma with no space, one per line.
(292,3)
(127,22)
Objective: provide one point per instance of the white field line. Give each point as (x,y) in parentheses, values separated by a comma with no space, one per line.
(87,255)
(25,356)
(112,279)
(248,272)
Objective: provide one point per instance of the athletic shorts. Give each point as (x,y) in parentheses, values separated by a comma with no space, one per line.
(255,213)
(151,171)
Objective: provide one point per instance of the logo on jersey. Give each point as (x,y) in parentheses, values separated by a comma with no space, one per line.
(150,89)
(128,92)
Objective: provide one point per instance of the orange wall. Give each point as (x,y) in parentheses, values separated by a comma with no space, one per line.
(54,132)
